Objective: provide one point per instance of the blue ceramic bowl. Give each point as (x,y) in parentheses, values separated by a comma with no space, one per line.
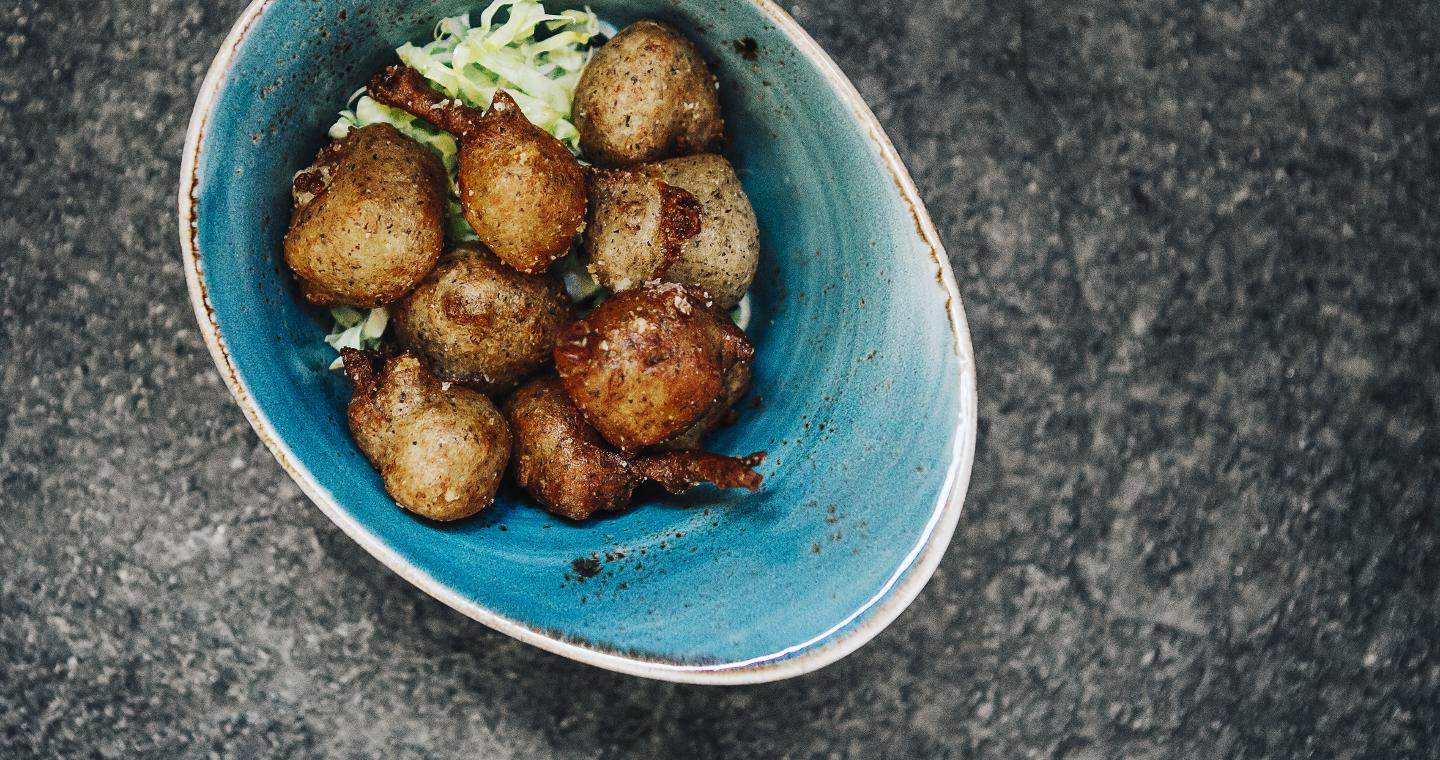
(864,363)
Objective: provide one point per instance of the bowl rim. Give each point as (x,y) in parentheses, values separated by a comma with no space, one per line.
(903,586)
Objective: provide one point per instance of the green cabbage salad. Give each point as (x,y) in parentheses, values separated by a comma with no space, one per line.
(536,57)
(355,328)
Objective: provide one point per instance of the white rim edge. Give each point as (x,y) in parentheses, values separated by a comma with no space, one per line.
(884,607)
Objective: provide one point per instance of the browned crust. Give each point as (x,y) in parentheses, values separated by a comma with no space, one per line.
(737,384)
(561,461)
(521,190)
(367,222)
(679,221)
(722,258)
(648,363)
(310,182)
(566,466)
(479,322)
(624,250)
(441,450)
(405,88)
(679,471)
(360,368)
(646,95)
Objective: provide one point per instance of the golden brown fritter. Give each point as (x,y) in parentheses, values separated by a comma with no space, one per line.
(679,471)
(737,384)
(649,363)
(721,259)
(636,226)
(440,448)
(479,322)
(367,219)
(567,467)
(643,226)
(560,460)
(521,190)
(647,95)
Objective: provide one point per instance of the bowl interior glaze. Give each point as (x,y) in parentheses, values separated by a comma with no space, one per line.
(864,382)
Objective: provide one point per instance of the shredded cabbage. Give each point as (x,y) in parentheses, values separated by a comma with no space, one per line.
(472,62)
(356,329)
(740,315)
(535,56)
(579,284)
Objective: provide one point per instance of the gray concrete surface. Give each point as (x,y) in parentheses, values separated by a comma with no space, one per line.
(1200,250)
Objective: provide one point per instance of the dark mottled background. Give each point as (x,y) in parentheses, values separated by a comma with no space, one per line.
(1199,245)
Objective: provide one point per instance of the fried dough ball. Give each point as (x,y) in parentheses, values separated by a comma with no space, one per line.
(479,322)
(721,259)
(647,95)
(643,226)
(567,467)
(737,384)
(636,226)
(649,363)
(440,448)
(521,190)
(679,471)
(560,460)
(367,219)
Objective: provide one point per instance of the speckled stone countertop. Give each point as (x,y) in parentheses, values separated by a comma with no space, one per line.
(1199,246)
